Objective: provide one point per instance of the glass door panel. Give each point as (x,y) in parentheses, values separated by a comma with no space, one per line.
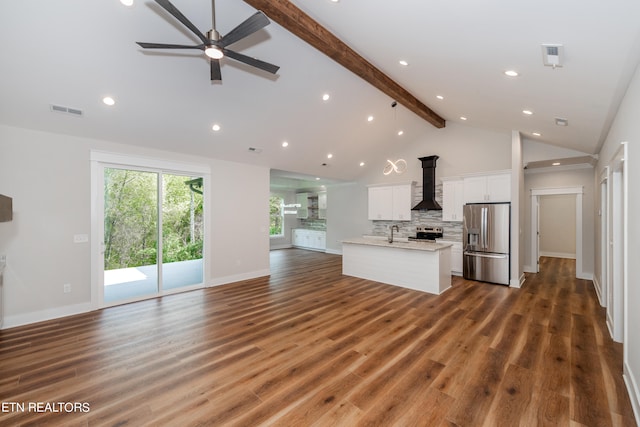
(130,234)
(182,231)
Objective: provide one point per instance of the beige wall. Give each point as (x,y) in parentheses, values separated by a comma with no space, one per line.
(558,225)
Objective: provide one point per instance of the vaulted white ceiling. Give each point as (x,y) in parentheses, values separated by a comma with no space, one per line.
(74,52)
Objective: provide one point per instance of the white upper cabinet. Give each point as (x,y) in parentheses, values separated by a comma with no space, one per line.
(402,199)
(452,199)
(391,202)
(488,188)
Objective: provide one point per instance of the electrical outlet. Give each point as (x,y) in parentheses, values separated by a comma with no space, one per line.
(66,288)
(3,259)
(80,238)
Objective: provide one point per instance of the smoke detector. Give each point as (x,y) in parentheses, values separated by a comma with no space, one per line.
(552,55)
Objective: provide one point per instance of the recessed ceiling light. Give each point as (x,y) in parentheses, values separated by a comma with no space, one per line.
(400,132)
(361,163)
(403,62)
(335,1)
(317,178)
(127,2)
(440,97)
(527,112)
(536,134)
(511,73)
(285,144)
(555,164)
(325,97)
(370,118)
(108,100)
(463,118)
(329,156)
(216,127)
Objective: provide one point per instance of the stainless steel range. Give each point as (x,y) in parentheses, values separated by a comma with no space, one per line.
(428,233)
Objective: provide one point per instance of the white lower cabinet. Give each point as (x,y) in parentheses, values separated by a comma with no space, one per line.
(309,239)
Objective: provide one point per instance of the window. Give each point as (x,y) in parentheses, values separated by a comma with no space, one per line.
(276,216)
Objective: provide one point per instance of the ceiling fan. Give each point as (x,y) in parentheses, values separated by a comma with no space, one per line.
(214,46)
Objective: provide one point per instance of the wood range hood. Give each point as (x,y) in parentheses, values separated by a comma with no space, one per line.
(294,20)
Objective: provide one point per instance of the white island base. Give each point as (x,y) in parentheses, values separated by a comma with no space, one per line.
(422,266)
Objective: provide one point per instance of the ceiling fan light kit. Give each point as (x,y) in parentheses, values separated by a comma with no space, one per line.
(214,46)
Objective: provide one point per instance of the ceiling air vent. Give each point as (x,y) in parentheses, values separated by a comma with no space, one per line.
(66,110)
(562,122)
(552,55)
(255,150)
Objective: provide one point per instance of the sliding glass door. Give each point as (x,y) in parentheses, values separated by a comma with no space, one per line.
(153,233)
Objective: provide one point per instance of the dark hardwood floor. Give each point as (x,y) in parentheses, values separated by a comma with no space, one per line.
(310,347)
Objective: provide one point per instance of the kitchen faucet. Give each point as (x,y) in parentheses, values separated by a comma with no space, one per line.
(391,236)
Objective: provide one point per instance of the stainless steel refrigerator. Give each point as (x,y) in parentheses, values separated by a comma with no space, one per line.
(486,242)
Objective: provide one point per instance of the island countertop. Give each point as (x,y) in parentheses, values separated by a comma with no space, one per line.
(400,243)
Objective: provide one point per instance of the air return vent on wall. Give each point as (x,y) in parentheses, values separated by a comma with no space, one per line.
(66,110)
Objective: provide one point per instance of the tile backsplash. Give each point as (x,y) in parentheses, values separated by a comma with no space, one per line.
(451,230)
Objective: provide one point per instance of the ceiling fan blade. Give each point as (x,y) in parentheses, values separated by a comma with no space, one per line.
(252,24)
(216,75)
(166,4)
(252,61)
(167,46)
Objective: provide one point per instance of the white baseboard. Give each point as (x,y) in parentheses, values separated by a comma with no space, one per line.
(12,321)
(558,255)
(528,269)
(584,276)
(333,251)
(238,277)
(282,246)
(632,389)
(597,288)
(517,283)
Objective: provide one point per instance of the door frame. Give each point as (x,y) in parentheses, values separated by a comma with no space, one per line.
(605,253)
(99,160)
(535,194)
(617,304)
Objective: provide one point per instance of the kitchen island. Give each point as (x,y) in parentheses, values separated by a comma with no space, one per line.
(423,266)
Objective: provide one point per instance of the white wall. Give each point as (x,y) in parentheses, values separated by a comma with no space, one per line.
(626,127)
(517,209)
(48,176)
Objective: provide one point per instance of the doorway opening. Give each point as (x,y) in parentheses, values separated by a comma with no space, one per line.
(536,194)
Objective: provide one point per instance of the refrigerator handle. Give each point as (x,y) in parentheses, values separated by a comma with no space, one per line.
(483,228)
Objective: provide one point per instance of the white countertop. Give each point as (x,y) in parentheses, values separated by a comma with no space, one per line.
(399,243)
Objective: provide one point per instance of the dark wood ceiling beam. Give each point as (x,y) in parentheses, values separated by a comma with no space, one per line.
(303,26)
